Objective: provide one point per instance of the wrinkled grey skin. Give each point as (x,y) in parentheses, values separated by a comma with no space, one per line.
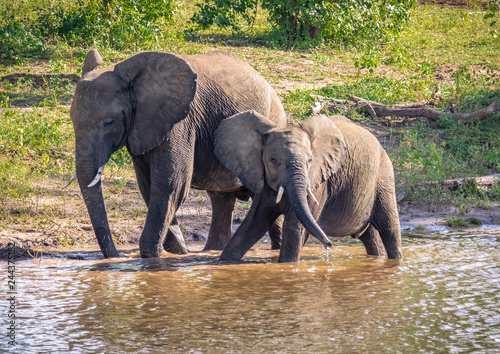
(165,108)
(345,166)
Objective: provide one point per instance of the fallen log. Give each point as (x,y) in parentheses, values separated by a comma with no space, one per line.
(432,114)
(406,109)
(394,106)
(39,78)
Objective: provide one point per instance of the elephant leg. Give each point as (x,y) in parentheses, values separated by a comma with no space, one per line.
(372,242)
(164,202)
(259,219)
(275,233)
(386,221)
(174,241)
(171,169)
(222,219)
(294,234)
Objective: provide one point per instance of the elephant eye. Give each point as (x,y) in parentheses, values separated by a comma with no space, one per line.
(273,161)
(108,122)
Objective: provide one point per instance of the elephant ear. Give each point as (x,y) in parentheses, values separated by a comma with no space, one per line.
(92,60)
(328,148)
(238,145)
(163,86)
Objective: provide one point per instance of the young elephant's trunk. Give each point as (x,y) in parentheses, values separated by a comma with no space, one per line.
(94,201)
(297,193)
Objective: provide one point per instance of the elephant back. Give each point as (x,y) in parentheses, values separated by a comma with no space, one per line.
(231,86)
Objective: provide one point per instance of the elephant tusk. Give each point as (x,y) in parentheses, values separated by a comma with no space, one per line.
(280,194)
(97,177)
(70,180)
(312,195)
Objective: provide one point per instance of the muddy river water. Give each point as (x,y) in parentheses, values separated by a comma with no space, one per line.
(443,296)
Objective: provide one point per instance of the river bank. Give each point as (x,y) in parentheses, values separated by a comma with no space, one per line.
(127,215)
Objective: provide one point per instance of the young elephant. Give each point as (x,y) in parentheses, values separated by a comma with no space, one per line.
(341,166)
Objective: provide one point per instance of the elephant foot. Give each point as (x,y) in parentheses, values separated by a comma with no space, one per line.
(394,253)
(174,241)
(289,254)
(108,247)
(213,246)
(227,258)
(150,254)
(288,259)
(372,242)
(149,249)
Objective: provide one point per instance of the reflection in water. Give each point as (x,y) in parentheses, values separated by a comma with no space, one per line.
(443,297)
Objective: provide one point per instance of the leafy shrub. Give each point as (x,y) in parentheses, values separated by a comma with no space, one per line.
(461,223)
(117,23)
(342,21)
(494,194)
(492,16)
(225,14)
(17,38)
(25,134)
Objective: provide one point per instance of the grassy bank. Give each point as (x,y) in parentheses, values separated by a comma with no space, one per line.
(449,48)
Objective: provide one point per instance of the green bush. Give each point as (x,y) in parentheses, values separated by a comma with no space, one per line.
(461,223)
(17,38)
(29,134)
(492,15)
(340,21)
(117,23)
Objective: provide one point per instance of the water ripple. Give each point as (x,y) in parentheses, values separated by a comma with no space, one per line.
(442,297)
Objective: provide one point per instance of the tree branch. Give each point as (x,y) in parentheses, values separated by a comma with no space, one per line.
(407,109)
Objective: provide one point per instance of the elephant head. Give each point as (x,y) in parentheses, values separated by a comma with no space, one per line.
(134,103)
(294,159)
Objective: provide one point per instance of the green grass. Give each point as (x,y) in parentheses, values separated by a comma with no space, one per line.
(462,223)
(449,47)
(440,36)
(456,222)
(36,146)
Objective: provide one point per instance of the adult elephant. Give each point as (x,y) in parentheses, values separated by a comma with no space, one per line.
(164,108)
(341,166)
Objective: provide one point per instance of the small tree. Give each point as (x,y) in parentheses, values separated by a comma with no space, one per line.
(336,20)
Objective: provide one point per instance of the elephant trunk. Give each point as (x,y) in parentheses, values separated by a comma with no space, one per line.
(94,201)
(297,190)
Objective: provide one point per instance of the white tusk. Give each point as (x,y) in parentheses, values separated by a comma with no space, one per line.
(70,180)
(97,177)
(312,195)
(280,194)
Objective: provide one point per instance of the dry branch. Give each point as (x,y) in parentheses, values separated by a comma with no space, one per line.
(434,115)
(406,109)
(423,103)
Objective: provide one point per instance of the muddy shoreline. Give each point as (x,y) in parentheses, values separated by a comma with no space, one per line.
(195,218)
